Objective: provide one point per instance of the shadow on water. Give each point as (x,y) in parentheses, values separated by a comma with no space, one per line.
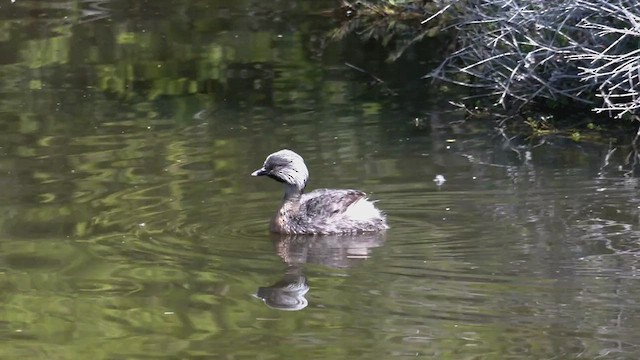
(334,251)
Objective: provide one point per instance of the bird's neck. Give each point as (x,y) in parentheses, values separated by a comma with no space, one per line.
(290,209)
(292,193)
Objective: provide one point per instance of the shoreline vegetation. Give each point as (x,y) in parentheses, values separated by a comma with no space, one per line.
(571,56)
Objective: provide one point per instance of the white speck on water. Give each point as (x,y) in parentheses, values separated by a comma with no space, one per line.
(439,180)
(168,313)
(474,178)
(142,224)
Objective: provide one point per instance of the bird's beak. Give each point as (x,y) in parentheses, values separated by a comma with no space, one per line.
(259,172)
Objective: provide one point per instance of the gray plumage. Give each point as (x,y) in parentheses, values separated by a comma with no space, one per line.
(322,211)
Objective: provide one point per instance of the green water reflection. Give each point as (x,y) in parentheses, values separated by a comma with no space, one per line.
(130,227)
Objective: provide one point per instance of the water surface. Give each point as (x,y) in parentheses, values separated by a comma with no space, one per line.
(130,227)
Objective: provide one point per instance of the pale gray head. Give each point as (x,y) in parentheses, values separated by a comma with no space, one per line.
(285,166)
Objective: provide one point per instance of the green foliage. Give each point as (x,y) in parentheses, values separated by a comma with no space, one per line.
(396,24)
(575,136)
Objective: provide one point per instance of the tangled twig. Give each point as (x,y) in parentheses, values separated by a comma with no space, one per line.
(585,51)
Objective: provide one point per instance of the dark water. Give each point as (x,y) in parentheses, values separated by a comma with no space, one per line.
(130,227)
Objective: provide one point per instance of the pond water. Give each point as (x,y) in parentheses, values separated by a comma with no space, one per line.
(130,227)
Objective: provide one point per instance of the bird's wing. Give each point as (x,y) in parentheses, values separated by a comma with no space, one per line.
(327,202)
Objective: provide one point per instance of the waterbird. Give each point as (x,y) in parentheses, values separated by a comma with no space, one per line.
(322,211)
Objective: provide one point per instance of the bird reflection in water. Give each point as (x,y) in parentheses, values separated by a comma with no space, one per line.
(288,293)
(335,251)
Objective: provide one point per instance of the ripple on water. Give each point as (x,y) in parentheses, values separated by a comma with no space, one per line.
(143,247)
(477,253)
(36,258)
(251,220)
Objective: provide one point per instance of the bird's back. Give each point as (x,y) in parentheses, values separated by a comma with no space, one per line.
(328,202)
(330,211)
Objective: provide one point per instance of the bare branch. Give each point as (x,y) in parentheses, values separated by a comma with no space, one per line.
(572,49)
